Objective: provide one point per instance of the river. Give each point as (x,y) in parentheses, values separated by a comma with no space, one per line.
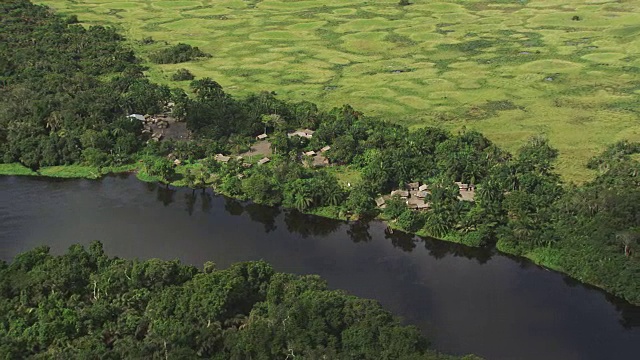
(465,300)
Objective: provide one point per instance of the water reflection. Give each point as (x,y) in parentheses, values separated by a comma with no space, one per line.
(503,308)
(400,239)
(206,202)
(233,206)
(359,231)
(441,249)
(264,215)
(165,195)
(309,225)
(190,201)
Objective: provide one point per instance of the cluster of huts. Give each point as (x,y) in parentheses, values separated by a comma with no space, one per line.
(318,156)
(305,133)
(415,195)
(225,159)
(149,122)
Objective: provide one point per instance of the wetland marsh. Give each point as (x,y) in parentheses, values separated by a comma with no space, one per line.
(510,69)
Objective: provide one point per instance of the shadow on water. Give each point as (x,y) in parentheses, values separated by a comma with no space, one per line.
(440,249)
(360,232)
(233,206)
(264,215)
(310,225)
(474,300)
(190,199)
(206,202)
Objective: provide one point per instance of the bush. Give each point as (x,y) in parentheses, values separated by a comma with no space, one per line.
(411,221)
(182,75)
(177,54)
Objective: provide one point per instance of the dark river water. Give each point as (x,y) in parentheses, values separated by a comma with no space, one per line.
(464,300)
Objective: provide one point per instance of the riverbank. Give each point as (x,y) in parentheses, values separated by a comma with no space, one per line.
(556,259)
(65,171)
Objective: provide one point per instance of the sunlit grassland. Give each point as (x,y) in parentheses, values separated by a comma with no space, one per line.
(65,171)
(510,69)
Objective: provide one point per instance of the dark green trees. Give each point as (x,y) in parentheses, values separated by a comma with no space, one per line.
(84,304)
(177,54)
(66,91)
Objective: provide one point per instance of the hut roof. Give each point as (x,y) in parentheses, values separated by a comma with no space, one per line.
(401,193)
(413,185)
(222,158)
(462,186)
(263,160)
(305,133)
(262,136)
(423,187)
(326,148)
(137,117)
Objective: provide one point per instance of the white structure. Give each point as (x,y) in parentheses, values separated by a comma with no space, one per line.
(137,117)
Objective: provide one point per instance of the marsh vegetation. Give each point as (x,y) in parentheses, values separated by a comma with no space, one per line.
(569,68)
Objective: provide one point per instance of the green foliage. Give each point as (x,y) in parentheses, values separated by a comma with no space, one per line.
(360,201)
(394,207)
(411,221)
(178,53)
(85,304)
(66,89)
(182,75)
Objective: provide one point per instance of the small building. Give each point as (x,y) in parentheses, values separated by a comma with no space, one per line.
(222,158)
(423,187)
(310,153)
(137,117)
(412,206)
(402,193)
(380,202)
(325,149)
(246,165)
(413,186)
(423,205)
(305,133)
(177,162)
(264,160)
(422,194)
(262,136)
(462,187)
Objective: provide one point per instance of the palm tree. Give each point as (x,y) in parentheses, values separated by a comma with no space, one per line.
(302,201)
(271,120)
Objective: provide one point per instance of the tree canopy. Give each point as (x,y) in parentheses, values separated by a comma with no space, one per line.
(85,305)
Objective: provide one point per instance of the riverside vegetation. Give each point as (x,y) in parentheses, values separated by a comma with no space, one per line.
(509,69)
(69,106)
(86,305)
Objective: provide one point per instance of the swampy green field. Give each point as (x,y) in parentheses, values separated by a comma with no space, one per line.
(569,69)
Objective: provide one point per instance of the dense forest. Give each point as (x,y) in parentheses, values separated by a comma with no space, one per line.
(86,305)
(66,90)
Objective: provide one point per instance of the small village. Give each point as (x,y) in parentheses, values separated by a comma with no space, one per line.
(415,195)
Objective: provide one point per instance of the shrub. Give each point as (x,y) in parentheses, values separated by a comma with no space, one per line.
(177,54)
(182,75)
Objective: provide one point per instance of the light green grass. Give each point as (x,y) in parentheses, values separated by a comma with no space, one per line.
(65,171)
(461,55)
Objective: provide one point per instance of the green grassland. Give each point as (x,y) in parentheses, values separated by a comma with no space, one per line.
(509,69)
